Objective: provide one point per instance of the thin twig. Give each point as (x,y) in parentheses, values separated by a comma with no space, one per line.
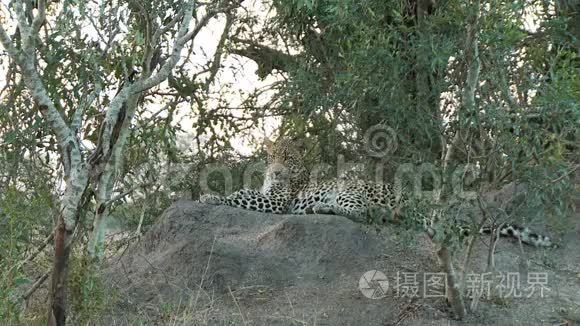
(237,306)
(124,194)
(36,252)
(204,273)
(566,173)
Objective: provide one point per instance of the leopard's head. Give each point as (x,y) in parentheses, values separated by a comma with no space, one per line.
(286,168)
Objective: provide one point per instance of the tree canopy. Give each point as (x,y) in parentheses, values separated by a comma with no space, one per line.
(113,109)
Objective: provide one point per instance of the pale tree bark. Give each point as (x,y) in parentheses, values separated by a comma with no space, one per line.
(75,169)
(100,169)
(116,126)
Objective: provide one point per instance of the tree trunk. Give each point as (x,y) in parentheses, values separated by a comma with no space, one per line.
(453,290)
(106,181)
(57,305)
(66,223)
(106,158)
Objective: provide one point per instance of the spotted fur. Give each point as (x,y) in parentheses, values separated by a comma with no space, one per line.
(287,190)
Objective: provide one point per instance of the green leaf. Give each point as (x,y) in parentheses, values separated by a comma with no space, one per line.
(21,281)
(10,137)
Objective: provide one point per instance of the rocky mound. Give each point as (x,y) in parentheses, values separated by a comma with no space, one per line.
(217,265)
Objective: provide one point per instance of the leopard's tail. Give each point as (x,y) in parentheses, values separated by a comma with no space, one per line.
(523,234)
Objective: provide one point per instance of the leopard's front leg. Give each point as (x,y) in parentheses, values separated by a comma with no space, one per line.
(212,199)
(248,199)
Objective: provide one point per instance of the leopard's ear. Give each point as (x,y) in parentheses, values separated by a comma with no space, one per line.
(269,145)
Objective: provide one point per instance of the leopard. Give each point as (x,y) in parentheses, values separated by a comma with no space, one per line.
(289,189)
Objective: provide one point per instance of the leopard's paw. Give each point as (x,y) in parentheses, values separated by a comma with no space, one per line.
(210,199)
(322,208)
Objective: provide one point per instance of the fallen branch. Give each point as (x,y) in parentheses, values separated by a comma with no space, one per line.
(36,252)
(35,286)
(39,249)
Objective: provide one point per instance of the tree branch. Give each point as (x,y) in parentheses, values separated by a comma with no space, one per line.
(202,22)
(78,114)
(165,28)
(180,40)
(127,192)
(39,19)
(34,83)
(35,286)
(267,58)
(471,81)
(22,23)
(216,62)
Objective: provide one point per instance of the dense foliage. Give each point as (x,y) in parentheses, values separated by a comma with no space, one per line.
(329,71)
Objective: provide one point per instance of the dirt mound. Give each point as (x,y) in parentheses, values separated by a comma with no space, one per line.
(217,265)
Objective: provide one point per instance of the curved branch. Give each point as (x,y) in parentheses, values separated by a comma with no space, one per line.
(216,62)
(180,40)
